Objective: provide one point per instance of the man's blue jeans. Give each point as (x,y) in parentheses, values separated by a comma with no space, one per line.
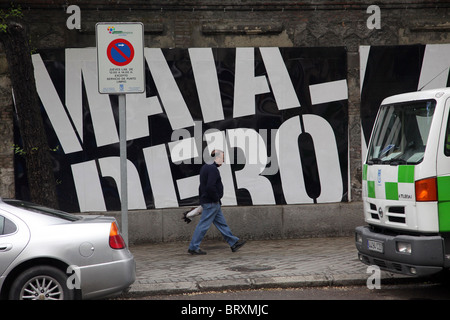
(212,213)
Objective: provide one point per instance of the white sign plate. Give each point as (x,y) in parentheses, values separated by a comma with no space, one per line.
(120,57)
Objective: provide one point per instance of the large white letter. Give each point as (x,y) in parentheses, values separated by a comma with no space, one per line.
(435,59)
(327,158)
(246,85)
(81,64)
(139,108)
(88,187)
(279,78)
(54,108)
(160,176)
(249,177)
(207,83)
(110,167)
(171,98)
(290,163)
(185,150)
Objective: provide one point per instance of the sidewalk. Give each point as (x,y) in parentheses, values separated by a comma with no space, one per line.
(166,268)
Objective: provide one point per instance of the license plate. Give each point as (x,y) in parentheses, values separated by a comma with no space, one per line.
(376,246)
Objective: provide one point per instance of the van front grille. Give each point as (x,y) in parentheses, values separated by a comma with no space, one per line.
(394,214)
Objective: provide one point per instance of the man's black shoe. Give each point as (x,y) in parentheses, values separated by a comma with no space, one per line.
(196,252)
(238,245)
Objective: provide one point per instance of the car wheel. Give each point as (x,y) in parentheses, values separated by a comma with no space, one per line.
(41,283)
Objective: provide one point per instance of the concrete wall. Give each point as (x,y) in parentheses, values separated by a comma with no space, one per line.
(233,23)
(255,222)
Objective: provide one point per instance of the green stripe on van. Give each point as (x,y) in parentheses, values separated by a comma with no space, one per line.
(364,173)
(391,190)
(444,216)
(406,174)
(443,188)
(371,189)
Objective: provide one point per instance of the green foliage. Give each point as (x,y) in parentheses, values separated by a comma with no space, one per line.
(21,152)
(5,15)
(18,150)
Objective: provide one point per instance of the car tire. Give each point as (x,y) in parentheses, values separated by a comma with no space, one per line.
(41,283)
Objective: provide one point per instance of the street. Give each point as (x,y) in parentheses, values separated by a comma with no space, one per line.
(279,303)
(409,291)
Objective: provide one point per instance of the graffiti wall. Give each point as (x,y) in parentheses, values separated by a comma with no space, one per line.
(280,115)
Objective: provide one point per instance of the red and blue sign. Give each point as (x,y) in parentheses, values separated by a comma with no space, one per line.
(120,57)
(120,52)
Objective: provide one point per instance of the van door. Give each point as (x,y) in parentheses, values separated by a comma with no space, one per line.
(443,172)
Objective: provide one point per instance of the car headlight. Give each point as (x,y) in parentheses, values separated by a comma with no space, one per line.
(404,247)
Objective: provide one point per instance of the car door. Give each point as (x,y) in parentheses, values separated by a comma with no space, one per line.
(14,236)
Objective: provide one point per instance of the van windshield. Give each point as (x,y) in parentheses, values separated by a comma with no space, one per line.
(401,133)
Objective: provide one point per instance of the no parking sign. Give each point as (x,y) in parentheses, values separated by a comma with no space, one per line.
(120,65)
(120,57)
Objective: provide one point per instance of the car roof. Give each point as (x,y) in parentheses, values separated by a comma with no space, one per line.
(36,214)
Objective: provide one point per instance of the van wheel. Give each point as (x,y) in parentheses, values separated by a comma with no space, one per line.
(41,283)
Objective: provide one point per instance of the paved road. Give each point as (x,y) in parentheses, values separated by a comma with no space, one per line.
(167,268)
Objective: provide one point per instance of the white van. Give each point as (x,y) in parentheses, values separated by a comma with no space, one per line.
(406,185)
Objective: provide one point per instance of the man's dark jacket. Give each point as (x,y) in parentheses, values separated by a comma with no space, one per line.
(211,187)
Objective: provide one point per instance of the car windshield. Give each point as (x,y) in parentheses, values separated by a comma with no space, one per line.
(41,209)
(401,133)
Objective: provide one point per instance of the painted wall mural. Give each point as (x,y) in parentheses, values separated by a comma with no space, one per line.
(390,70)
(280,115)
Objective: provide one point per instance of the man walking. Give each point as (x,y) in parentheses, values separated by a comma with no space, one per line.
(211,191)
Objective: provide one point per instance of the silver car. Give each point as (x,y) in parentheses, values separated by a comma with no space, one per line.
(49,254)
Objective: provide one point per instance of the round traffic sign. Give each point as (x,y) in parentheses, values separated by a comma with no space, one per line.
(120,52)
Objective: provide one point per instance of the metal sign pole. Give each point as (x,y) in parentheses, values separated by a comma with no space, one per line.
(123,165)
(120,68)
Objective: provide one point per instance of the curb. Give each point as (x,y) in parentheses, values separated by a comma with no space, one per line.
(185,287)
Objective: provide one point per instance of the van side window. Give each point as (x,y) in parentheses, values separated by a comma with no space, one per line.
(447,139)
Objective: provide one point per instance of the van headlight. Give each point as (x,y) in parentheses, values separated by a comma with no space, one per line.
(404,247)
(358,238)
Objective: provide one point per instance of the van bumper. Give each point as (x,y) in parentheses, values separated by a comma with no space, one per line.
(404,254)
